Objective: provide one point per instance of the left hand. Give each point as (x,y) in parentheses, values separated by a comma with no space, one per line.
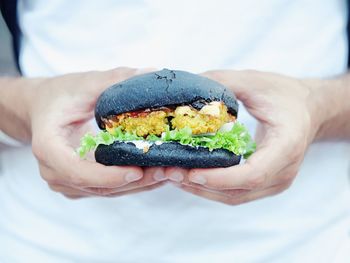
(60,109)
(288,121)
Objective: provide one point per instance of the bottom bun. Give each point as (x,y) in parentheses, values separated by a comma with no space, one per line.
(165,154)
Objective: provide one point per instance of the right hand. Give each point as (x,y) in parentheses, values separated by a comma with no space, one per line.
(288,120)
(60,109)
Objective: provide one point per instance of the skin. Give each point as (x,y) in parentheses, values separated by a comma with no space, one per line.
(53,113)
(292,114)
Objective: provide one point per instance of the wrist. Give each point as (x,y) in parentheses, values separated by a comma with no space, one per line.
(17,96)
(328,102)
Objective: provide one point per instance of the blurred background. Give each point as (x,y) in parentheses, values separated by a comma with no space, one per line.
(7,65)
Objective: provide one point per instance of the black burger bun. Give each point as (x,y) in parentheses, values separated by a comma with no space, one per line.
(161,89)
(165,88)
(165,154)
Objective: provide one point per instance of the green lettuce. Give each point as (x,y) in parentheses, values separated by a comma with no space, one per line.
(237,140)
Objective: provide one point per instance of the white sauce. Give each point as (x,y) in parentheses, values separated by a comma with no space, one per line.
(144,145)
(139,144)
(158,142)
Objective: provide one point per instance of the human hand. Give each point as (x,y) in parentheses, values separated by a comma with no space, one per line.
(59,112)
(288,122)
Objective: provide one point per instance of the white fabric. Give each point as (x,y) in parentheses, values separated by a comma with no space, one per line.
(309,222)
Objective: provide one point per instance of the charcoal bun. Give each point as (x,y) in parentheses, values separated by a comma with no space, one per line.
(162,88)
(165,154)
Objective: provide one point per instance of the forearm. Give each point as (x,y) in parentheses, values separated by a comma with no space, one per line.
(332,107)
(15,98)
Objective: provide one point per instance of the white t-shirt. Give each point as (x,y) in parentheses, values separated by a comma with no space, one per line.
(310,222)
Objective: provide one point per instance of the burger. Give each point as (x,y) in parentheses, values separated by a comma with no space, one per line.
(168,118)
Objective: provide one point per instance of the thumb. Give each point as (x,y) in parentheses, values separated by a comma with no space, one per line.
(240,82)
(104,79)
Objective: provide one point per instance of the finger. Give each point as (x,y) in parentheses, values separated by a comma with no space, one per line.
(122,193)
(228,192)
(152,176)
(257,172)
(257,195)
(177,174)
(209,194)
(234,199)
(241,82)
(68,191)
(142,71)
(138,190)
(73,193)
(104,79)
(260,171)
(253,88)
(230,78)
(285,179)
(84,173)
(100,80)
(119,192)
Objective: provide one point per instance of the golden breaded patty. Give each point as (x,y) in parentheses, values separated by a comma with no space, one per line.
(209,119)
(154,122)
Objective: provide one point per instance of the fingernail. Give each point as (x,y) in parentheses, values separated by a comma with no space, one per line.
(132,177)
(159,175)
(176,177)
(198,179)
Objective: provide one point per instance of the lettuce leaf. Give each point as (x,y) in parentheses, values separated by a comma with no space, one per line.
(89,142)
(237,140)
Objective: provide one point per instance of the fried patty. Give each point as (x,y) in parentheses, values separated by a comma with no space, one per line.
(207,120)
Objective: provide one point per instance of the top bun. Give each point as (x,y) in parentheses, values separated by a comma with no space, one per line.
(162,89)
